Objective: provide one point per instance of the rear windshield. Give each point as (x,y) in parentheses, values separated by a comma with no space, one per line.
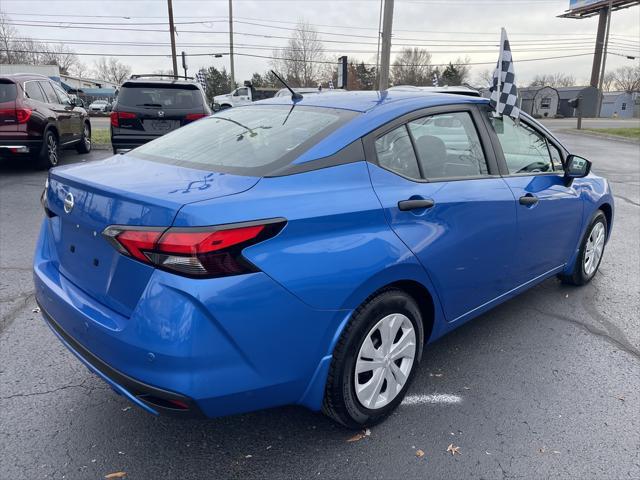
(253,140)
(161,96)
(7,91)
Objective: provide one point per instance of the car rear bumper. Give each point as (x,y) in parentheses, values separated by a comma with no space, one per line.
(19,147)
(126,142)
(220,346)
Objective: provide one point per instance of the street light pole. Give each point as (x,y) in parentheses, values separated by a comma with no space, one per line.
(387,25)
(604,56)
(173,38)
(233,76)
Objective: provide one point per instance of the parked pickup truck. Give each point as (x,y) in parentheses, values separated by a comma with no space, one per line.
(242,96)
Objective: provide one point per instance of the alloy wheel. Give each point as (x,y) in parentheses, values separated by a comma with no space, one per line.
(384,361)
(52,150)
(594,248)
(87,136)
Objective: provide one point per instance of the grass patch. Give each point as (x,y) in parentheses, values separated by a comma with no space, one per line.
(101,136)
(632,133)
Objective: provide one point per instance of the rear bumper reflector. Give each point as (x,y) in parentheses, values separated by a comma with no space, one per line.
(16,148)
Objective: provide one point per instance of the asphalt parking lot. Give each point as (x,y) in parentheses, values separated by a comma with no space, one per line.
(545,386)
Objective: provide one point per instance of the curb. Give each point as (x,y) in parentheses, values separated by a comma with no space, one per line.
(573,131)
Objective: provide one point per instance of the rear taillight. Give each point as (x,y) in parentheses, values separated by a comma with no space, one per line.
(194,252)
(194,116)
(117,116)
(21,115)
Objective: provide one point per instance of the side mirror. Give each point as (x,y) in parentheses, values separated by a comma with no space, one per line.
(576,167)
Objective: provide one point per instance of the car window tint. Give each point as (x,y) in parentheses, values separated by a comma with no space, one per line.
(251,140)
(62,95)
(395,152)
(49,92)
(165,97)
(556,158)
(448,146)
(7,91)
(33,91)
(525,150)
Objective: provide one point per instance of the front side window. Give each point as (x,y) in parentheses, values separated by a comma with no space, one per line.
(556,158)
(62,96)
(34,92)
(525,150)
(395,153)
(253,140)
(448,146)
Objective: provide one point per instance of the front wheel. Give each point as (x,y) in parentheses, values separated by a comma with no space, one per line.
(375,360)
(591,251)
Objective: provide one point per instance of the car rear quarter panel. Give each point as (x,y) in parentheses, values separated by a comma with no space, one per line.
(337,247)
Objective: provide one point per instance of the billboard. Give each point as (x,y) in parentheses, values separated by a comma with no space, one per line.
(573,4)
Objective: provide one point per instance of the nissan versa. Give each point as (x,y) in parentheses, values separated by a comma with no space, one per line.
(303,251)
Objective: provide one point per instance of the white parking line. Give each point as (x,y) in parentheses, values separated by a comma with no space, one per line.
(431,399)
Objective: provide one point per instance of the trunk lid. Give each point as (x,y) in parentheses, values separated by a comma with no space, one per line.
(121,191)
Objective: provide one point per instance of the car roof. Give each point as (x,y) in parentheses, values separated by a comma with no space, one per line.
(375,108)
(367,101)
(24,76)
(159,81)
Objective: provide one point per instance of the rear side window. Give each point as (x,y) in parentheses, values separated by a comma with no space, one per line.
(448,146)
(33,91)
(49,92)
(164,97)
(7,92)
(253,140)
(395,153)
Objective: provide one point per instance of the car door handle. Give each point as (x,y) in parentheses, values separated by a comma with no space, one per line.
(415,204)
(528,200)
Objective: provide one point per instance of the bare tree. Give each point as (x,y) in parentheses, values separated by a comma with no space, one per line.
(553,80)
(412,67)
(300,62)
(7,36)
(485,78)
(627,79)
(112,70)
(608,82)
(60,55)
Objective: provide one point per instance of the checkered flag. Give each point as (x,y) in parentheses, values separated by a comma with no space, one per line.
(434,79)
(504,93)
(201,77)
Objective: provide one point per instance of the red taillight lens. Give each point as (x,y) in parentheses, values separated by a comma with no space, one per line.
(196,252)
(117,116)
(21,115)
(194,116)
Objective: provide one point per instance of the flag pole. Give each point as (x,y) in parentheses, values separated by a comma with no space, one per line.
(502,35)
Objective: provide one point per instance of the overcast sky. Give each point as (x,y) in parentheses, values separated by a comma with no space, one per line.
(470,26)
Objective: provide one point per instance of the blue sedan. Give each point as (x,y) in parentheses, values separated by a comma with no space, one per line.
(305,252)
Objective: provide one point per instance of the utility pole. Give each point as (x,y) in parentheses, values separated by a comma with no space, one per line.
(173,38)
(387,25)
(233,76)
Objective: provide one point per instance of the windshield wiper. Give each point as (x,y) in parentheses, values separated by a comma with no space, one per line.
(148,105)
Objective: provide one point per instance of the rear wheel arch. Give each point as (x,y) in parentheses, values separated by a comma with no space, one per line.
(422,296)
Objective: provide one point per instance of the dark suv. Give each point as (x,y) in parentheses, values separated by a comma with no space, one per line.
(148,106)
(37,119)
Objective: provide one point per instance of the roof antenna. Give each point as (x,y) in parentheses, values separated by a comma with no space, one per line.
(294,95)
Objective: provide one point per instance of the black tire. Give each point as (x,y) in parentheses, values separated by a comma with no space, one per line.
(580,276)
(224,106)
(115,150)
(49,155)
(84,146)
(340,399)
